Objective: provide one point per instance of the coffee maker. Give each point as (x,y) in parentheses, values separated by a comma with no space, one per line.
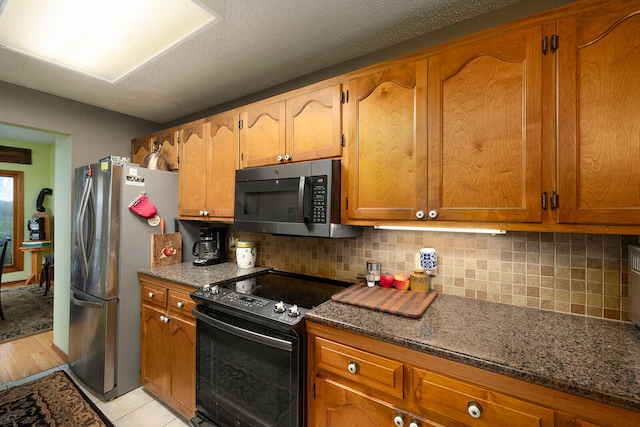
(210,249)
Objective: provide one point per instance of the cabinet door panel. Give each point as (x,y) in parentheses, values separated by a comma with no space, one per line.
(338,406)
(140,148)
(222,170)
(192,180)
(154,374)
(314,124)
(387,144)
(183,356)
(599,97)
(262,137)
(485,122)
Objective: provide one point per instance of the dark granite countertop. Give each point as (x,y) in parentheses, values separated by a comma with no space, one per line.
(589,357)
(188,274)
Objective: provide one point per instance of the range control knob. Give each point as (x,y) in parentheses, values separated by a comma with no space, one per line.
(293,311)
(279,308)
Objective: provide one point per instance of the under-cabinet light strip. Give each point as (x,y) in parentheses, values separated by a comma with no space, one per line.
(452,230)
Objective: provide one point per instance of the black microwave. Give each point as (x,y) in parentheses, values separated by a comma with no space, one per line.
(295,199)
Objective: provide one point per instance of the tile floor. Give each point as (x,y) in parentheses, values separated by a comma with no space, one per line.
(134,409)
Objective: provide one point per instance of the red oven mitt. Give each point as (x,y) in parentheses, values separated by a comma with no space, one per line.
(143,207)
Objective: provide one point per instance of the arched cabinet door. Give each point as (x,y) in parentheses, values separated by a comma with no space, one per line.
(387,147)
(314,124)
(194,167)
(484,129)
(599,125)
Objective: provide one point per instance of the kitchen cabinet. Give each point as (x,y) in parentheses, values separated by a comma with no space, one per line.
(303,126)
(168,343)
(209,159)
(192,179)
(354,379)
(143,146)
(386,171)
(485,129)
(598,128)
(341,406)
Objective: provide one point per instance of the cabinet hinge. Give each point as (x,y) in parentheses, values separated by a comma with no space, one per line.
(554,43)
(239,124)
(178,159)
(342,140)
(344,96)
(313,392)
(241,157)
(544,201)
(178,139)
(346,203)
(554,200)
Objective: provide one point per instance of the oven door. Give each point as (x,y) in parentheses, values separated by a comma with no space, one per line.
(247,375)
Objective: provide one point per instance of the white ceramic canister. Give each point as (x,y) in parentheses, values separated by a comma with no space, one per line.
(246,254)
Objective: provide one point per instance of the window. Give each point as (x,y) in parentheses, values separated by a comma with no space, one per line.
(11,216)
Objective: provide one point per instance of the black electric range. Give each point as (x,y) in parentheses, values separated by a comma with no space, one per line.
(272,298)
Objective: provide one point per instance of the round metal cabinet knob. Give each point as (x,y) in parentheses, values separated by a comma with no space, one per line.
(353,367)
(287,157)
(152,294)
(164,319)
(399,420)
(180,304)
(474,408)
(433,214)
(415,423)
(420,214)
(280,158)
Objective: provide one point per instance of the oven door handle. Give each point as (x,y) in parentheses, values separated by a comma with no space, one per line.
(244,333)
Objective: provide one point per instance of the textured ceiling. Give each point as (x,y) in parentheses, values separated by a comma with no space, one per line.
(257,45)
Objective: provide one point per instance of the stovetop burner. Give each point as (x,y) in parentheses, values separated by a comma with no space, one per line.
(274,295)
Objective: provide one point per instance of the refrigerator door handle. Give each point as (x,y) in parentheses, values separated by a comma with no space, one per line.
(83,303)
(80,217)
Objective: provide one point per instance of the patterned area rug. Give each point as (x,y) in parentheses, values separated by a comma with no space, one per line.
(26,311)
(54,400)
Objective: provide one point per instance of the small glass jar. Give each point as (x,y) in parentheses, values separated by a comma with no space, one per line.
(373,269)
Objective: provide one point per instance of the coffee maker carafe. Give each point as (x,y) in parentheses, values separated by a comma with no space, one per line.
(210,248)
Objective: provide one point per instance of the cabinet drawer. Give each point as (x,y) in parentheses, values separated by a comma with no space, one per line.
(154,295)
(181,303)
(362,371)
(458,400)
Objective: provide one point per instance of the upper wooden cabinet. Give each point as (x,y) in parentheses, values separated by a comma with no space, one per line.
(302,127)
(142,146)
(262,134)
(599,124)
(223,134)
(387,147)
(195,157)
(484,130)
(209,157)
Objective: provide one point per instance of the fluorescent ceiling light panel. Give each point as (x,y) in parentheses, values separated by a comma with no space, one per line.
(104,38)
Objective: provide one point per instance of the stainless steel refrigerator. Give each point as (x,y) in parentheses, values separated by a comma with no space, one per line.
(109,244)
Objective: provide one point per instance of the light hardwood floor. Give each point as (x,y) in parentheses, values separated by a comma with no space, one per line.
(27,356)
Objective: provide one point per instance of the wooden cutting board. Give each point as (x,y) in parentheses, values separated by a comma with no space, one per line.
(166,249)
(387,300)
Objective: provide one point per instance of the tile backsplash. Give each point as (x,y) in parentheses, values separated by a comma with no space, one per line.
(573,273)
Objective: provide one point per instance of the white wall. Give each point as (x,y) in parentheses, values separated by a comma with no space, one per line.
(83,134)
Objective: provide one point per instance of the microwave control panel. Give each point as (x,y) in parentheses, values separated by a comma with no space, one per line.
(319,199)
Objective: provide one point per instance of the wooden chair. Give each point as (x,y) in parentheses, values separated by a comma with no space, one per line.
(3,244)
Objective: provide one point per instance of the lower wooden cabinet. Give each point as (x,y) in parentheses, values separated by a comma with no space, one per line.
(341,406)
(356,380)
(168,344)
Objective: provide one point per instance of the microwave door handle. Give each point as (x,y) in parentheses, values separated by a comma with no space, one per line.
(301,186)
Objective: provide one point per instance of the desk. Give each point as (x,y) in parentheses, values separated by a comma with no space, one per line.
(36,262)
